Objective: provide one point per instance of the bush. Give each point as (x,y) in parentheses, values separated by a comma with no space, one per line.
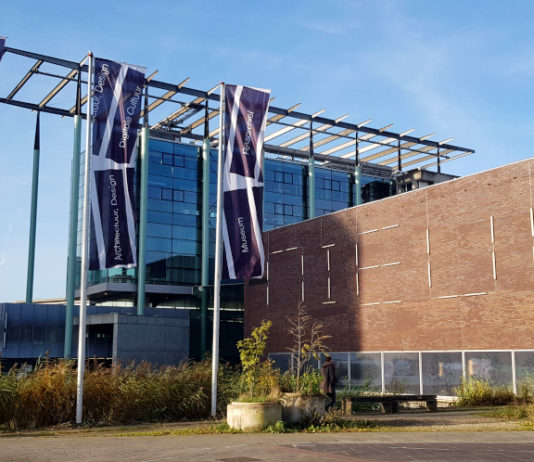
(480,393)
(117,395)
(309,383)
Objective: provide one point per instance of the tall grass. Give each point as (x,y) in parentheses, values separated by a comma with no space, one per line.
(118,395)
(480,393)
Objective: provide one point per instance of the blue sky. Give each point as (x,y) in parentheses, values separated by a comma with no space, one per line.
(460,69)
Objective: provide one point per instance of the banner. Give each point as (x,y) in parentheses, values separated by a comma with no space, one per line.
(2,46)
(244,130)
(117,101)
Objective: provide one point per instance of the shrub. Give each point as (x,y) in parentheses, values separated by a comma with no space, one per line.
(480,393)
(309,383)
(259,382)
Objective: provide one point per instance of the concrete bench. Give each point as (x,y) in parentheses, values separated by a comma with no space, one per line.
(390,403)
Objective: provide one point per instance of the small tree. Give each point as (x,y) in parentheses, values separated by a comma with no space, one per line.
(257,378)
(308,341)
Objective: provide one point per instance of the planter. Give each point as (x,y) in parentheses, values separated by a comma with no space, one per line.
(298,409)
(250,417)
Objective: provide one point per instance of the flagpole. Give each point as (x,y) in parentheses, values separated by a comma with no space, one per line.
(85,233)
(218,260)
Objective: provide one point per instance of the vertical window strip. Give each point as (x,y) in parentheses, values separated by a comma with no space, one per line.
(493,248)
(267,268)
(328,267)
(302,274)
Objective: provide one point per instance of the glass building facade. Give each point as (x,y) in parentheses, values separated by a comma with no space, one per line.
(173,240)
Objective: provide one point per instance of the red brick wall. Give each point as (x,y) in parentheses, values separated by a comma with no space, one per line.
(395,308)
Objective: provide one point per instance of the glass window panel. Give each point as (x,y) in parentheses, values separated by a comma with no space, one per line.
(159,180)
(492,367)
(365,371)
(281,361)
(191,164)
(163,146)
(154,157)
(442,372)
(159,205)
(168,159)
(184,232)
(166,194)
(158,244)
(341,365)
(179,161)
(401,372)
(154,192)
(184,247)
(190,197)
(185,219)
(159,217)
(158,230)
(524,366)
(178,195)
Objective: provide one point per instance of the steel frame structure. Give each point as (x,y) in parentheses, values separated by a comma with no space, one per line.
(290,133)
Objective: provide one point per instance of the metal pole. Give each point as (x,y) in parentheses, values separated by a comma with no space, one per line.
(218,260)
(439,161)
(205,235)
(73,224)
(141,263)
(85,235)
(33,214)
(311,177)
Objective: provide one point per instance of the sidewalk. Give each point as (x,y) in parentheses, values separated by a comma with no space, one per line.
(440,436)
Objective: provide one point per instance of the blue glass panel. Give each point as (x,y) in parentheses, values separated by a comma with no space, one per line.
(186,150)
(168,159)
(185,185)
(158,180)
(183,207)
(190,197)
(154,192)
(184,232)
(152,256)
(158,230)
(159,217)
(182,247)
(166,194)
(163,146)
(158,244)
(158,205)
(186,220)
(154,157)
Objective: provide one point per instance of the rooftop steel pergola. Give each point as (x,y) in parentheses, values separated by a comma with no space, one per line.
(185,113)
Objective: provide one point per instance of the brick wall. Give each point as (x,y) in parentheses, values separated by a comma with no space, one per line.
(410,272)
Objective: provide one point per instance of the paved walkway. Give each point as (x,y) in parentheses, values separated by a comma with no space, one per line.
(293,447)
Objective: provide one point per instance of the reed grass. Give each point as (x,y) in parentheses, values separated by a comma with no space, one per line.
(119,395)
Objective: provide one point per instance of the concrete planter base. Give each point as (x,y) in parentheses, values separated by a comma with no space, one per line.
(250,417)
(297,409)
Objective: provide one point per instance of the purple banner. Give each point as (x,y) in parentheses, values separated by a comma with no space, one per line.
(2,47)
(245,118)
(117,104)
